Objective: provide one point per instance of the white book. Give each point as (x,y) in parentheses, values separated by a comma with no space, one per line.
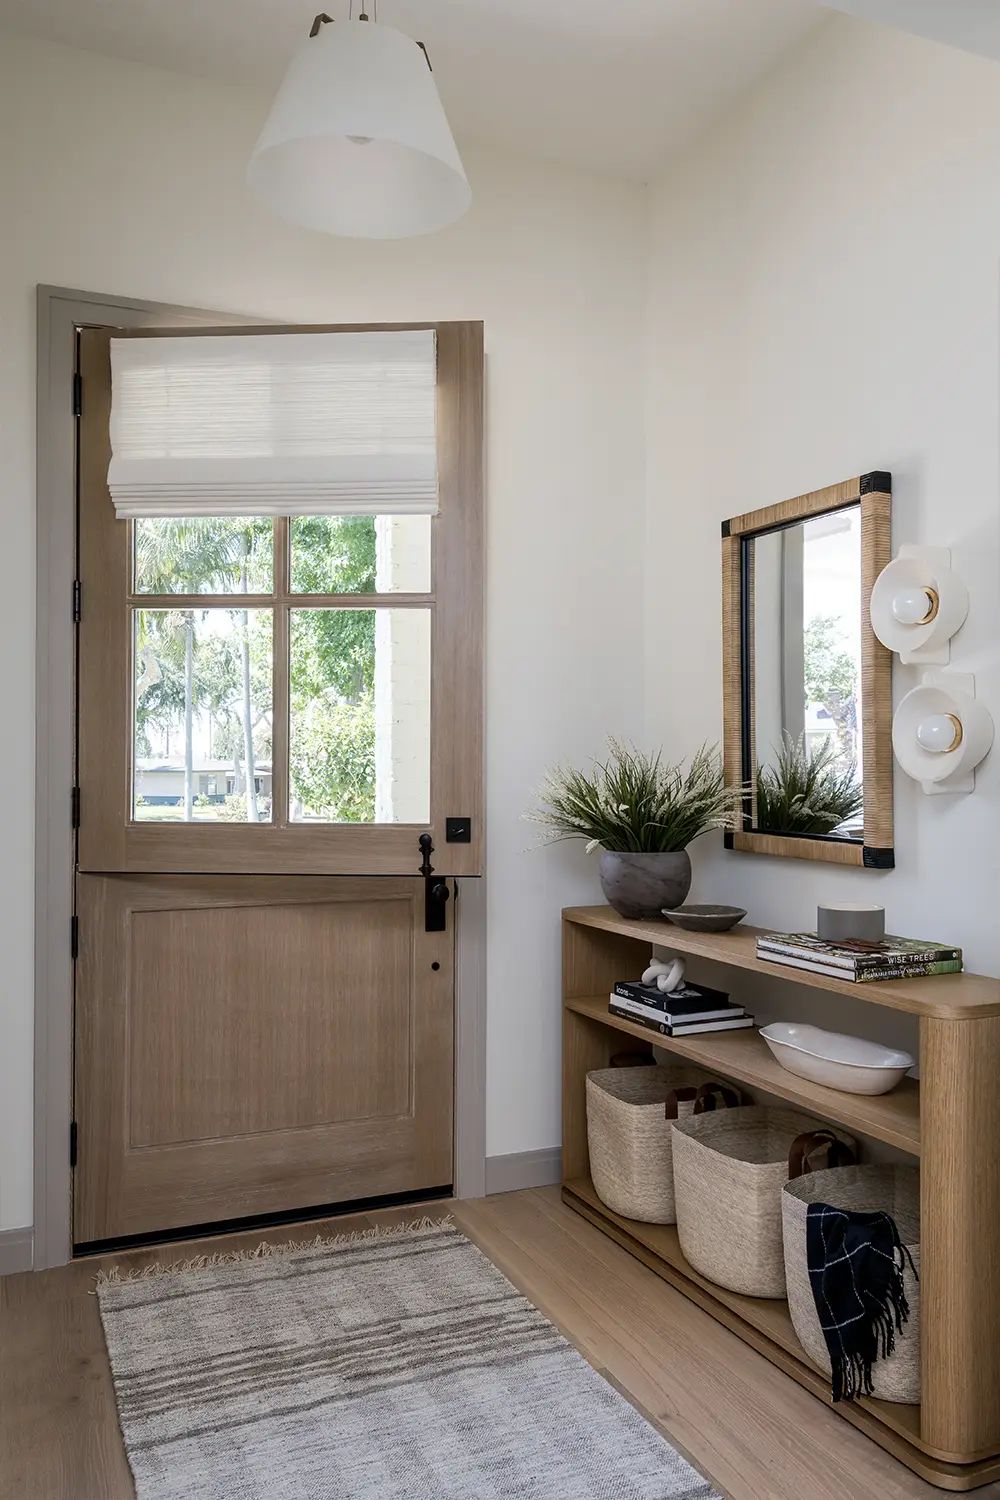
(787,961)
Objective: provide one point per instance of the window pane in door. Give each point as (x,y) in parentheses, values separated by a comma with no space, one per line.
(201,748)
(360,715)
(204,555)
(360,554)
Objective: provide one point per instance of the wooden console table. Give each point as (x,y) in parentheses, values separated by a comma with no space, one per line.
(950,1120)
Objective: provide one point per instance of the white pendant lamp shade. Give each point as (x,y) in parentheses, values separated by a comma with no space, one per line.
(357,142)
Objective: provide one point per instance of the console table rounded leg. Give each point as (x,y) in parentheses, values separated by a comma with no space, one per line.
(960,1235)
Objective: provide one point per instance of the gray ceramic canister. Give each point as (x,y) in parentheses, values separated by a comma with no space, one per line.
(841,924)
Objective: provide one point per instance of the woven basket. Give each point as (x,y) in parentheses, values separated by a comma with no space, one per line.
(889,1189)
(729,1169)
(629,1136)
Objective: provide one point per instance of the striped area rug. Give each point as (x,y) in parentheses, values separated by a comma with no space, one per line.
(397,1364)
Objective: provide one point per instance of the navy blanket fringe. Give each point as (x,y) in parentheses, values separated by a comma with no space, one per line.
(856,1273)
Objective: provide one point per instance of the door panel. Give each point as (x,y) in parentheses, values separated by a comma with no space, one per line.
(249,1045)
(187,1085)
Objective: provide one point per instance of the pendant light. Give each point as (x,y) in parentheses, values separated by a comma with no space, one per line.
(357,142)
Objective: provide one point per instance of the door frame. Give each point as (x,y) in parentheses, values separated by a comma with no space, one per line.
(60,311)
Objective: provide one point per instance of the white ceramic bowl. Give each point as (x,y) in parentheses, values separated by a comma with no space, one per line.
(839,1062)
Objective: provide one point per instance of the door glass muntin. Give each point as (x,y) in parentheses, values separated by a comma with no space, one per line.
(357,714)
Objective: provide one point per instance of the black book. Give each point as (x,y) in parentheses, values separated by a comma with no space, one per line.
(738,1022)
(693,1002)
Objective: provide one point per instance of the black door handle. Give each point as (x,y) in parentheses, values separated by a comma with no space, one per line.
(436,890)
(436,895)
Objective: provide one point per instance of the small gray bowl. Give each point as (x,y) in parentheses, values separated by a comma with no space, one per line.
(706,918)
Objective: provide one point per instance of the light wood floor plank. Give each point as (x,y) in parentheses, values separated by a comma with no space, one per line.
(757,1434)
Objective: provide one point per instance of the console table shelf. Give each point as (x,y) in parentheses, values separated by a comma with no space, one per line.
(745,1057)
(949,997)
(950,1120)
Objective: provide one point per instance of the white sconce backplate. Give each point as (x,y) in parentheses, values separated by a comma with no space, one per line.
(940,732)
(917,605)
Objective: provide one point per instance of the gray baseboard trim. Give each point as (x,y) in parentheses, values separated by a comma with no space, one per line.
(523,1169)
(16,1248)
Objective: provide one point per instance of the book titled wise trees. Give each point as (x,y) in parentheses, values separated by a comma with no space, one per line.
(860,962)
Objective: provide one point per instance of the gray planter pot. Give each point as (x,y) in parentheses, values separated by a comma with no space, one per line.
(641,885)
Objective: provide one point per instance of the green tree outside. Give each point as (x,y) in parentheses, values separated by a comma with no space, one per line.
(831,678)
(184,674)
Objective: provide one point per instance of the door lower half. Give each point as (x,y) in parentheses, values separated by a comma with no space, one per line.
(254,1045)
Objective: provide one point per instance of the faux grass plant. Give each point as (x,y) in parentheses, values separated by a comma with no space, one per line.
(635,803)
(805,791)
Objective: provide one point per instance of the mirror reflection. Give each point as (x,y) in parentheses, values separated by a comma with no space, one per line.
(804,748)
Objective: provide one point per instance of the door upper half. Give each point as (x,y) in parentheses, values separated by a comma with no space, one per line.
(281,621)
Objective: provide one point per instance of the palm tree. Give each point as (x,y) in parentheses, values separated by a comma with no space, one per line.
(188,555)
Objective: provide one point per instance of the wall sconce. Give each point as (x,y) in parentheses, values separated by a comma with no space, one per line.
(917,604)
(940,732)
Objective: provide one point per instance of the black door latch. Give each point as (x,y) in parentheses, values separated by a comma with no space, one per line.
(436,890)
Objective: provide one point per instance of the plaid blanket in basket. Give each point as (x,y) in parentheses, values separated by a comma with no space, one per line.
(855,1265)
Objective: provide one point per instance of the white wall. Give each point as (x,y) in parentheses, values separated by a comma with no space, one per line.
(121,179)
(825,302)
(825,299)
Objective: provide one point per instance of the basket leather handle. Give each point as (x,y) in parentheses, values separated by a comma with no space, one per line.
(703,1097)
(838,1154)
(673,1100)
(708,1094)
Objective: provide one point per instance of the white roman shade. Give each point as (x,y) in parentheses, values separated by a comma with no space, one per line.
(274,424)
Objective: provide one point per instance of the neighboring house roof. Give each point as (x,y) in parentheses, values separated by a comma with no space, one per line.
(200,767)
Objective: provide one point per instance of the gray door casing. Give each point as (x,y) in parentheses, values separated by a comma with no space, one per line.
(61,311)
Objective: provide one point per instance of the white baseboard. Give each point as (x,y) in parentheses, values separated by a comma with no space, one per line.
(16,1250)
(523,1169)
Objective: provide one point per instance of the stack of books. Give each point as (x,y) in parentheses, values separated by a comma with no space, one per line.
(683,1012)
(858,962)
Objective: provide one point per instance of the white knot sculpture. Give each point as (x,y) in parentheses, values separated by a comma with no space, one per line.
(666,976)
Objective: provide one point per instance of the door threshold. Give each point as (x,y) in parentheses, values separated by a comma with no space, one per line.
(314,1212)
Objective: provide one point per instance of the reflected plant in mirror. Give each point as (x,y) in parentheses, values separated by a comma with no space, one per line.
(806,736)
(808,791)
(807,686)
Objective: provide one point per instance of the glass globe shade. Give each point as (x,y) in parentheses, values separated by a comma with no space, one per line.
(939,733)
(912,605)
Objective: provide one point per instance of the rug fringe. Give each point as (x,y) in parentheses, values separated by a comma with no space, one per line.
(266,1250)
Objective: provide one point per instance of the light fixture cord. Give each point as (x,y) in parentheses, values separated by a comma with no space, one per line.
(324,20)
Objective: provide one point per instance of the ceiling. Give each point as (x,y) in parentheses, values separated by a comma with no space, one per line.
(971,24)
(611,85)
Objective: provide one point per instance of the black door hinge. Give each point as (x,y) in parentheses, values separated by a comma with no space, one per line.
(72,1143)
(74,802)
(77,394)
(74,937)
(77,601)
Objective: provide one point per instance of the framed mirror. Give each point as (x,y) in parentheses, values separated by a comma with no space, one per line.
(807,686)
